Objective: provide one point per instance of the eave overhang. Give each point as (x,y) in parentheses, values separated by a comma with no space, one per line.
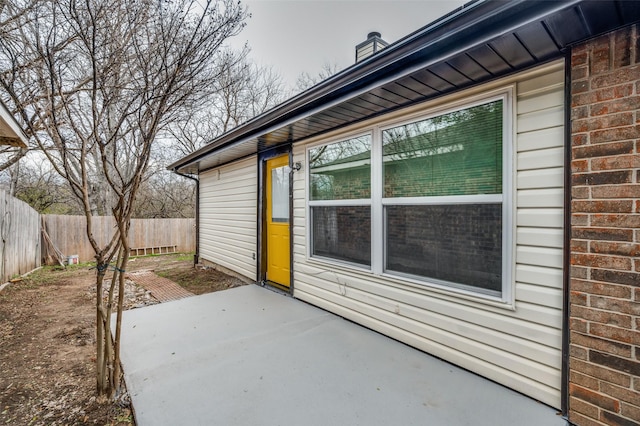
(10,131)
(479,42)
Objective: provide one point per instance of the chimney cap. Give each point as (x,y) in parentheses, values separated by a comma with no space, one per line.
(373,44)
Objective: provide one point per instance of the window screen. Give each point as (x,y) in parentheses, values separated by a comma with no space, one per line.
(458,153)
(455,243)
(342,170)
(340,174)
(439,205)
(342,233)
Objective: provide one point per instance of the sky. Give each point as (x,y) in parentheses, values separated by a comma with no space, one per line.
(296,36)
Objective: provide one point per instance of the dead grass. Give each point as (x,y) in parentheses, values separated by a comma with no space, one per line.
(47,354)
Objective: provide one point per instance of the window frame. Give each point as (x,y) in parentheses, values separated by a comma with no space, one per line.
(378,203)
(334,203)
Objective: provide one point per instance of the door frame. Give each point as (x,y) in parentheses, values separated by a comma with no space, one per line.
(262,215)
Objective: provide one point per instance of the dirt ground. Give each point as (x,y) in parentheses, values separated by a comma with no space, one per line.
(47,342)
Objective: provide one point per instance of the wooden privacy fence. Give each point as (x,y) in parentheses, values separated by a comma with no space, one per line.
(146,236)
(20,237)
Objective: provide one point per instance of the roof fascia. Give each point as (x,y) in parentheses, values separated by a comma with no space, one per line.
(478,21)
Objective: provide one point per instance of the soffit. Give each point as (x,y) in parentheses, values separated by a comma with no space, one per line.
(477,43)
(10,131)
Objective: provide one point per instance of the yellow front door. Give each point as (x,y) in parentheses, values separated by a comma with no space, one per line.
(277,197)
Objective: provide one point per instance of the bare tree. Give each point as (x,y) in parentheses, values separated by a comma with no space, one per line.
(306,80)
(165,194)
(38,185)
(95,82)
(243,91)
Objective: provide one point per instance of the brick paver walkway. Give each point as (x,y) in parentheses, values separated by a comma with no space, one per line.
(163,289)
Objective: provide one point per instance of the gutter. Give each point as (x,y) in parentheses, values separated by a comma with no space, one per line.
(196,256)
(474,22)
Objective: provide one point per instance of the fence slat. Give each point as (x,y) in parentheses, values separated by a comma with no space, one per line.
(20,237)
(68,234)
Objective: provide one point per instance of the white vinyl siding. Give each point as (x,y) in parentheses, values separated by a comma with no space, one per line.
(517,342)
(228,208)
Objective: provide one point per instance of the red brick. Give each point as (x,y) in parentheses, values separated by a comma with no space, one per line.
(580,192)
(601,150)
(579,219)
(602,42)
(616,77)
(580,112)
(579,73)
(602,289)
(603,206)
(630,103)
(615,362)
(577,298)
(636,383)
(631,411)
(621,49)
(579,86)
(616,220)
(601,261)
(614,134)
(578,166)
(603,122)
(636,293)
(608,234)
(162,289)
(615,305)
(617,334)
(623,394)
(590,342)
(579,353)
(617,162)
(601,373)
(617,191)
(578,419)
(618,277)
(577,324)
(600,60)
(579,139)
(603,317)
(583,380)
(582,99)
(615,420)
(579,58)
(579,246)
(603,94)
(636,48)
(579,406)
(602,178)
(594,398)
(578,272)
(620,249)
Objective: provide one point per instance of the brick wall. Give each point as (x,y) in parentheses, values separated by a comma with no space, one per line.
(604,385)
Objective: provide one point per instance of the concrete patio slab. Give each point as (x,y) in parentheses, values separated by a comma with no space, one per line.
(250,356)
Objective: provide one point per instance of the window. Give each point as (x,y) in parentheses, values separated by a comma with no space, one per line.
(436,207)
(443,197)
(340,200)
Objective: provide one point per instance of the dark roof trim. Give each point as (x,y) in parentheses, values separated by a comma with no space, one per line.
(470,27)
